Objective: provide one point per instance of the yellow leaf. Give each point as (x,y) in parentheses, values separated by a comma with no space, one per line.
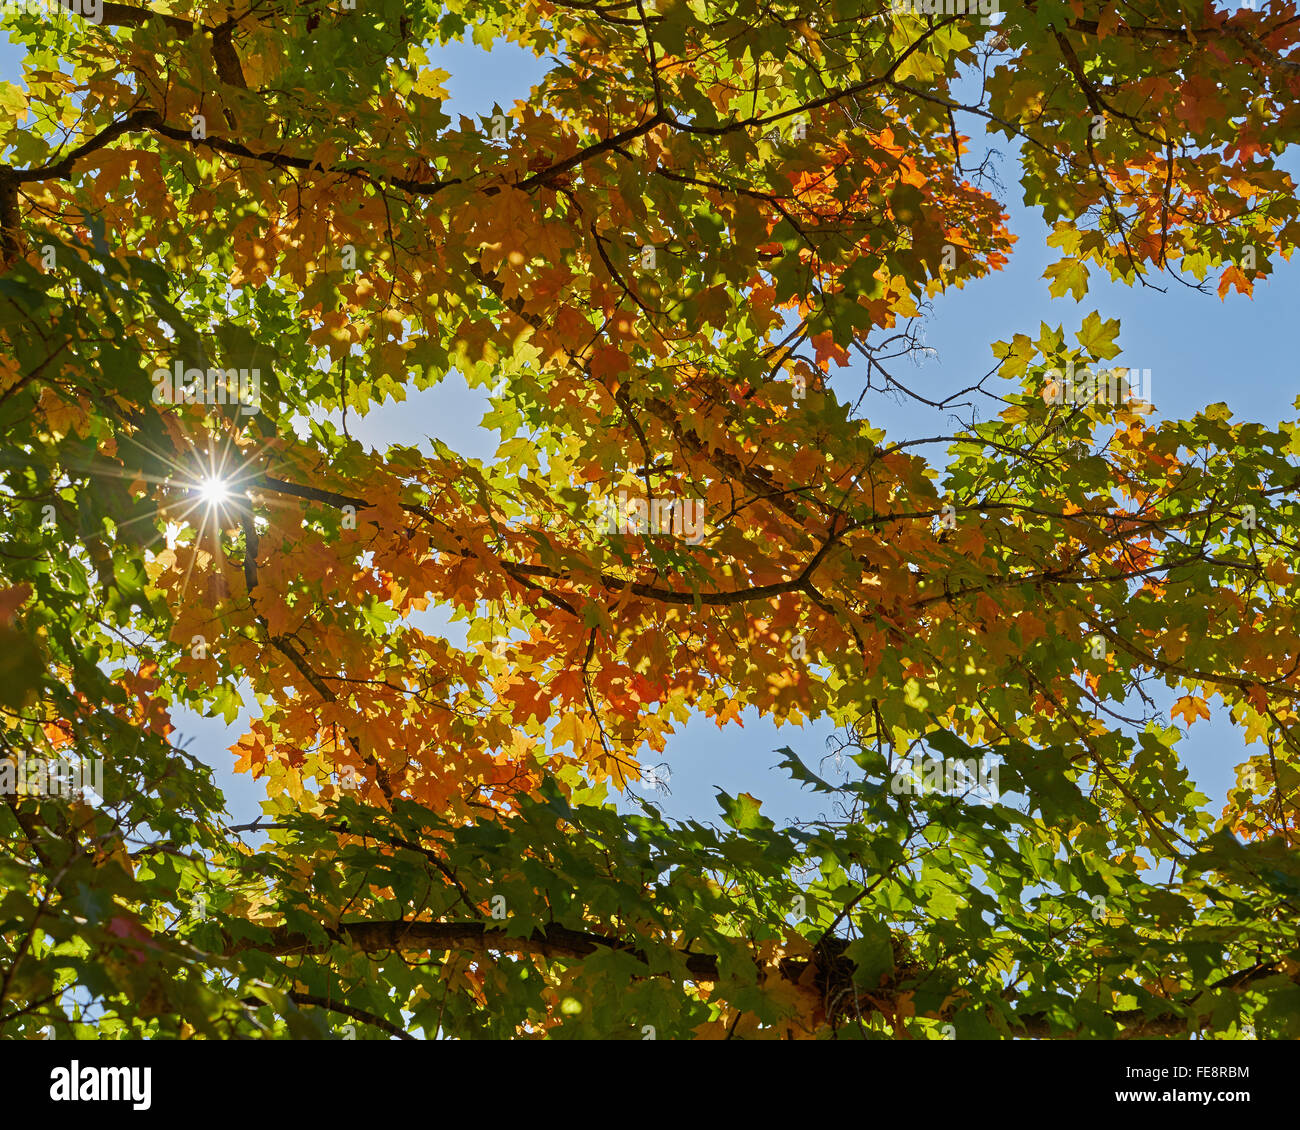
(13,100)
(1191,708)
(570,729)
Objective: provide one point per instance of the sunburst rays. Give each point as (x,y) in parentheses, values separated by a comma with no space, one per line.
(210,483)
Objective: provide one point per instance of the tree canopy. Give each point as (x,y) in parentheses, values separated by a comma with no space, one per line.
(230,228)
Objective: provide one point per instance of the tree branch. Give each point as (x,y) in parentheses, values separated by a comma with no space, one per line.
(834,974)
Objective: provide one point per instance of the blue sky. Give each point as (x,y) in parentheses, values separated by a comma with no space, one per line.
(1200,351)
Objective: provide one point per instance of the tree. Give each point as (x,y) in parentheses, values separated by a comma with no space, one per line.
(217,220)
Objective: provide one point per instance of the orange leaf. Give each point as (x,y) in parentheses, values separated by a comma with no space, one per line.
(1191,708)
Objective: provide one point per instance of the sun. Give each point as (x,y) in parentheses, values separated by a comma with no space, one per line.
(214,491)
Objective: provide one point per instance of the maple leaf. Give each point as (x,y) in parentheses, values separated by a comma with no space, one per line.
(1232,277)
(11,599)
(1191,708)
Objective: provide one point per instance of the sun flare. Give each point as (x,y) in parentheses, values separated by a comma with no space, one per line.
(214,491)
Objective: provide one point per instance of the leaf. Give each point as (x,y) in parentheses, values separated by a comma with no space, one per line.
(1067,276)
(1191,708)
(742,812)
(21,667)
(13,100)
(11,599)
(872,954)
(1098,337)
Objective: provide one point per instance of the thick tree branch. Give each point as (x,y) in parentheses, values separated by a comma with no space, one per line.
(834,974)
